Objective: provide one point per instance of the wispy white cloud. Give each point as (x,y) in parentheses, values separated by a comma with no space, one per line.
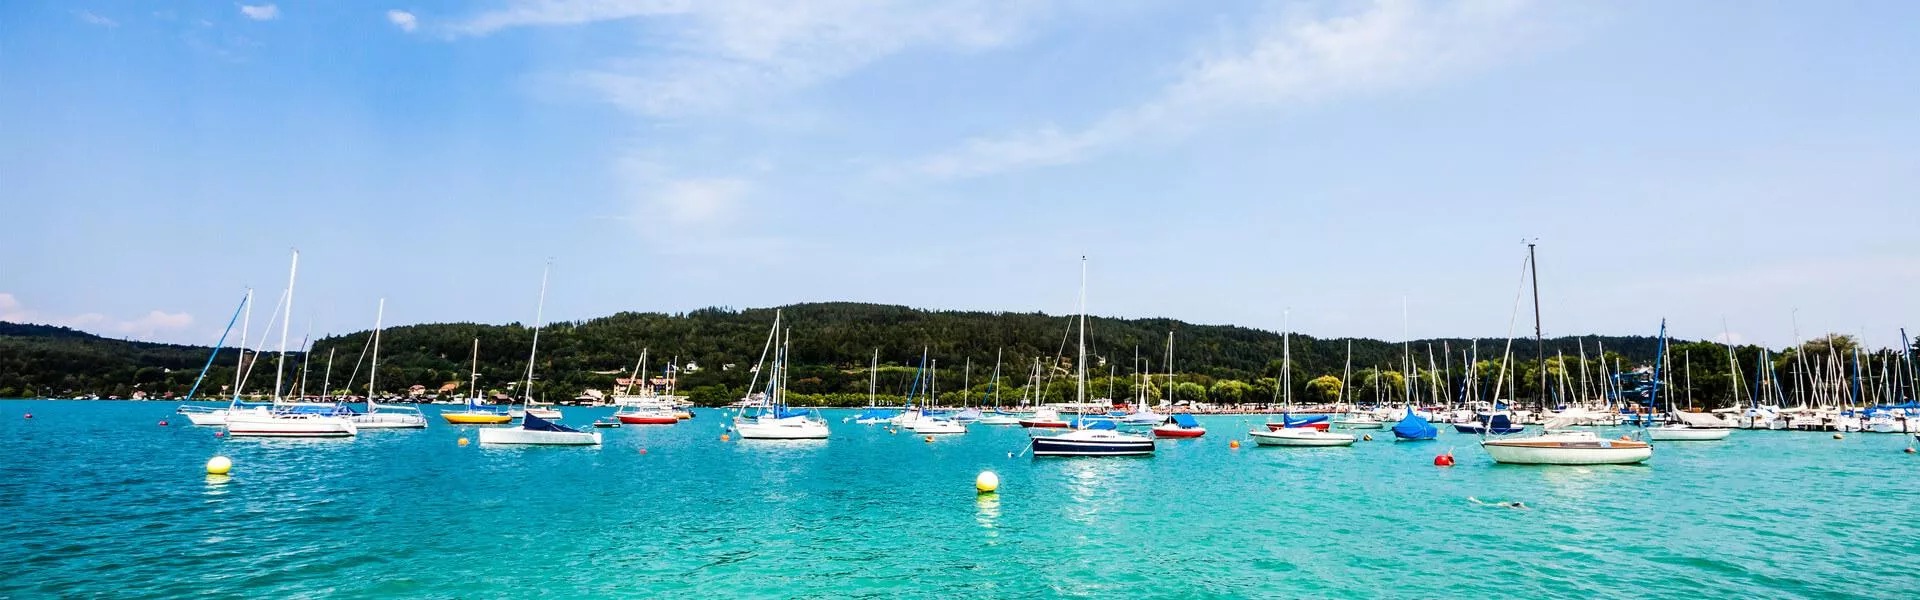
(93,19)
(1287,59)
(658,196)
(264,12)
(143,327)
(403,19)
(714,56)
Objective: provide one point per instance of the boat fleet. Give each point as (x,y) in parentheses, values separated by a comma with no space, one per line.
(1083,427)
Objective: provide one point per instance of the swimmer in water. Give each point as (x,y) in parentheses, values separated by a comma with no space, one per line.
(1514,505)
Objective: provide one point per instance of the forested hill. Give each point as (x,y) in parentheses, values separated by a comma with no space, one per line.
(832,344)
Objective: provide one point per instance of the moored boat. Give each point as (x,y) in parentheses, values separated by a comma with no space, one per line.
(1300,436)
(535,431)
(1180,425)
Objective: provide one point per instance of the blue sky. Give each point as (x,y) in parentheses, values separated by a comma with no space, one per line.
(1253,163)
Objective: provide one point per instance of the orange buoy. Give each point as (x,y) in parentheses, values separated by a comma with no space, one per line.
(929,439)
(1366,438)
(723,437)
(461,441)
(1444,460)
(1233,443)
(1626,438)
(643,450)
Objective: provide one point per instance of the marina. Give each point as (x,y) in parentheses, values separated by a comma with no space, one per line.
(1760,514)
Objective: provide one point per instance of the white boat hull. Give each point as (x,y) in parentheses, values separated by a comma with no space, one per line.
(1569,448)
(389,421)
(208,419)
(1686,434)
(1000,420)
(528,437)
(1358,424)
(249,425)
(783,429)
(1300,436)
(935,427)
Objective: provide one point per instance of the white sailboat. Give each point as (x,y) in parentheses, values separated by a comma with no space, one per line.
(1683,429)
(1559,446)
(377,416)
(1089,438)
(1295,436)
(293,420)
(534,428)
(776,421)
(214,416)
(935,424)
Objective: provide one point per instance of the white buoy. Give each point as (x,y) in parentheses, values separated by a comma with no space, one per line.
(219,465)
(987,482)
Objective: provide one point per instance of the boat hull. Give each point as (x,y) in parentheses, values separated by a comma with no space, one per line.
(208,419)
(1179,432)
(1360,424)
(310,427)
(781,431)
(998,420)
(1300,437)
(1044,424)
(938,428)
(1599,452)
(1688,434)
(648,420)
(528,437)
(476,418)
(1056,446)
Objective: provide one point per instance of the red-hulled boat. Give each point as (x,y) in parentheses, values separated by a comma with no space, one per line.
(1045,418)
(648,418)
(1180,426)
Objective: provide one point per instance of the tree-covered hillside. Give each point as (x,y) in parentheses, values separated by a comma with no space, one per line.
(832,346)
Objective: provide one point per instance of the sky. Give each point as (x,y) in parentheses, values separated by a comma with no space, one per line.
(1347,168)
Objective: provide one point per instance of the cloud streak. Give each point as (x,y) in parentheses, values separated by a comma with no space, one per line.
(1290,59)
(144,327)
(724,54)
(404,20)
(264,12)
(93,19)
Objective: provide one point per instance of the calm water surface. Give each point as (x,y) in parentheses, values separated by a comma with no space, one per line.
(101,501)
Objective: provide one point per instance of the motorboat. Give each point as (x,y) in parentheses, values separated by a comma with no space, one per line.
(1180,425)
(1300,436)
(536,431)
(938,426)
(1682,432)
(1046,418)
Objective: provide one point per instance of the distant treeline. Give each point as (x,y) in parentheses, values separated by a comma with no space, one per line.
(834,342)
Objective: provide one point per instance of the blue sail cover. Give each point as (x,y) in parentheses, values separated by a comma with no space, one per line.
(1290,421)
(1414,427)
(784,412)
(1082,423)
(875,413)
(535,423)
(1185,420)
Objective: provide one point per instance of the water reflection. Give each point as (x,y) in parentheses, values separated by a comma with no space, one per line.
(988,514)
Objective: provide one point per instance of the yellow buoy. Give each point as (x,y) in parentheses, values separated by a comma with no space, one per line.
(1839,437)
(463,441)
(219,465)
(1233,444)
(929,439)
(987,482)
(1367,438)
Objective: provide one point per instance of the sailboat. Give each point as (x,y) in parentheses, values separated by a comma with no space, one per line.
(476,411)
(776,421)
(1559,446)
(288,420)
(1682,430)
(935,423)
(384,417)
(209,415)
(874,415)
(1179,425)
(534,427)
(1288,435)
(526,399)
(645,410)
(1143,414)
(1089,438)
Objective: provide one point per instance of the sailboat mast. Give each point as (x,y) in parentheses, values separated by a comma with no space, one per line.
(239,364)
(326,381)
(1169,371)
(873,379)
(379,319)
(1286,356)
(286,323)
(1346,374)
(539,312)
(1080,364)
(474,375)
(995,384)
(1539,340)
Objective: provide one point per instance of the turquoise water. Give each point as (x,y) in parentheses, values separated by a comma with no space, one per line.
(100,500)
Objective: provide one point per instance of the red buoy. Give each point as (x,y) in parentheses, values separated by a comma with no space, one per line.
(29,415)
(163,423)
(1444,460)
(643,450)
(219,433)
